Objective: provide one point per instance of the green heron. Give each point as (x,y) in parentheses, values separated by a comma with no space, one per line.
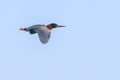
(43,31)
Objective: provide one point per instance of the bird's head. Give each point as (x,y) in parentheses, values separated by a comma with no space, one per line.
(54,25)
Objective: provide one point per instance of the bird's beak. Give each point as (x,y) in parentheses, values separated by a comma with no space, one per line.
(61,26)
(23,29)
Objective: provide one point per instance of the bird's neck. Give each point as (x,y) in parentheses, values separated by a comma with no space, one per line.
(49,27)
(44,28)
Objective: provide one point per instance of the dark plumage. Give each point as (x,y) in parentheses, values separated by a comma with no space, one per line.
(43,31)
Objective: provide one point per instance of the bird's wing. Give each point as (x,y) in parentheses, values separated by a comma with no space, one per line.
(44,36)
(36,27)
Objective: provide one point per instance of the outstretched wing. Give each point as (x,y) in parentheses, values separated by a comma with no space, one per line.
(44,36)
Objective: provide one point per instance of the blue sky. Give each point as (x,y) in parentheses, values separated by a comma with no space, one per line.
(87,49)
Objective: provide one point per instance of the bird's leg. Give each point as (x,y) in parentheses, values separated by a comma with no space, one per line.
(22,29)
(25,29)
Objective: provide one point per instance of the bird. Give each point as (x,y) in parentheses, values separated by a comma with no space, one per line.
(43,31)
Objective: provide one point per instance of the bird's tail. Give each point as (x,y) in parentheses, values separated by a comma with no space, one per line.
(32,31)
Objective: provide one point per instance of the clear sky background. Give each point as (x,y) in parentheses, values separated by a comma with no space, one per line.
(87,49)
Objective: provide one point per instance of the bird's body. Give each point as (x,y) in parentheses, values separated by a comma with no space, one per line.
(43,31)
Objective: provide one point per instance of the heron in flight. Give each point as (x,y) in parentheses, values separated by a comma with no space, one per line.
(44,31)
